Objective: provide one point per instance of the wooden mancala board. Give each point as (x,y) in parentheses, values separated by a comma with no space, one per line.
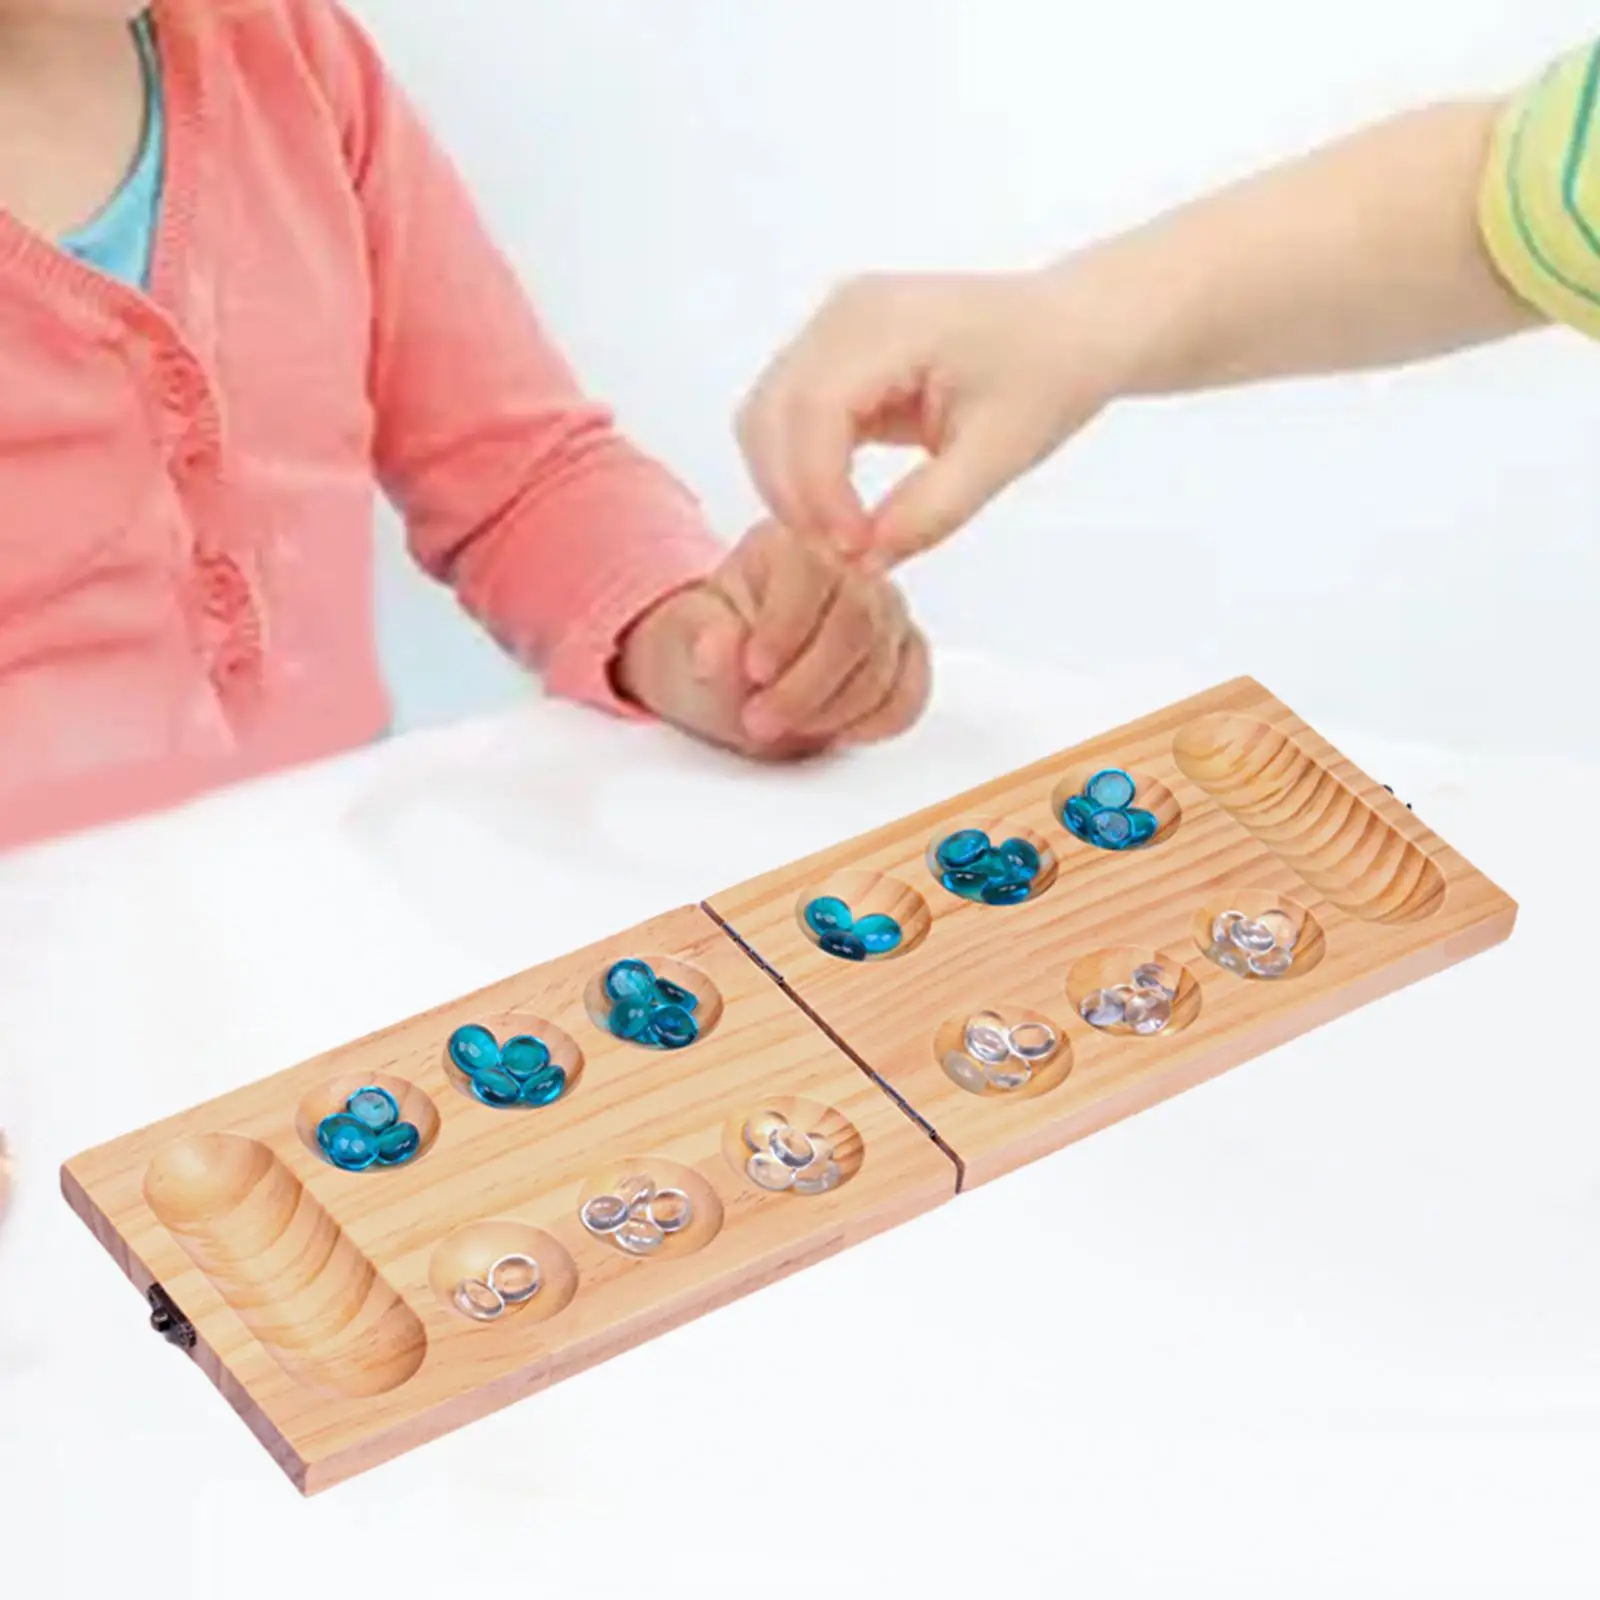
(320,1301)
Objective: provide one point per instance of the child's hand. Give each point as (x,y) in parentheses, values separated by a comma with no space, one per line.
(987,374)
(781,653)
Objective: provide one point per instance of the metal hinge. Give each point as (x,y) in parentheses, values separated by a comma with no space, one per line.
(168,1320)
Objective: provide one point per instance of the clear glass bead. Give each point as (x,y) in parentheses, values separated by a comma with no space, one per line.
(474,1298)
(515,1278)
(1154,976)
(1006,1076)
(818,1178)
(1034,1041)
(639,1236)
(1149,1011)
(604,1214)
(671,1210)
(1251,937)
(766,1171)
(759,1129)
(986,1038)
(636,1192)
(1271,963)
(1104,1008)
(821,1149)
(791,1147)
(963,1071)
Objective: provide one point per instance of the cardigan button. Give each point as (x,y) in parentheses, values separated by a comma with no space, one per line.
(193,455)
(235,664)
(224,590)
(182,388)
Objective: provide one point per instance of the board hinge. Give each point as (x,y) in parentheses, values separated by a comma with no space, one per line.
(168,1320)
(754,954)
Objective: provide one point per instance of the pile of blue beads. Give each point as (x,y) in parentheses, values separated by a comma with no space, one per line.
(992,874)
(519,1072)
(841,934)
(650,1010)
(369,1132)
(1105,816)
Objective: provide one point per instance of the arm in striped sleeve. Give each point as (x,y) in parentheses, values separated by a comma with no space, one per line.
(1540,204)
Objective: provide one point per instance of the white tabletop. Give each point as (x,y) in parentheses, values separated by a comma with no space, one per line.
(1328,1326)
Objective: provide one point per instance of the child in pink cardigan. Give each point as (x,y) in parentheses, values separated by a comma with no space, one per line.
(240,290)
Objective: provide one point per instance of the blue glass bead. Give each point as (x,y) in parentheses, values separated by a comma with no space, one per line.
(879,933)
(525,1056)
(672,994)
(496,1088)
(1021,859)
(398,1144)
(969,885)
(673,1027)
(1006,892)
(1145,826)
(545,1088)
(1111,830)
(473,1048)
(1078,814)
(373,1108)
(349,1144)
(630,1019)
(631,980)
(828,914)
(844,944)
(1111,790)
(963,850)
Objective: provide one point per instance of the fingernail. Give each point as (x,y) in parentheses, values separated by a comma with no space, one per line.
(763,723)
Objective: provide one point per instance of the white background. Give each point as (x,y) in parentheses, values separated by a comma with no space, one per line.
(681,182)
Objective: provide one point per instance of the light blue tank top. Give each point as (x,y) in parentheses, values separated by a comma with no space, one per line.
(121,239)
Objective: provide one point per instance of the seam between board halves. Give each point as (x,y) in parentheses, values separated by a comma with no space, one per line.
(822,1026)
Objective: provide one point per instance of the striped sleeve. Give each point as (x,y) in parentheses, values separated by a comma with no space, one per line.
(1540,204)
